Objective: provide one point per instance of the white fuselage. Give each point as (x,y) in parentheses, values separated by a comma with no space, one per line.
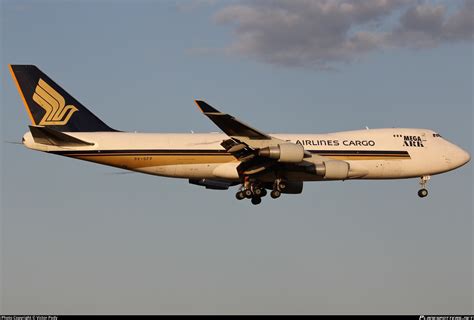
(374,153)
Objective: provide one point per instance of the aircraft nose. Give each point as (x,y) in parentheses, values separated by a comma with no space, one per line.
(462,156)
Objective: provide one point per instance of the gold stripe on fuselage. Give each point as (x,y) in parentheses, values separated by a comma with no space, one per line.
(368,157)
(143,160)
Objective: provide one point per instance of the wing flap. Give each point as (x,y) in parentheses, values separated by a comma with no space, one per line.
(239,150)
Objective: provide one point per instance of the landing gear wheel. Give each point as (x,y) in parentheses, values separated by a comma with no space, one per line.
(422,193)
(275,194)
(256,200)
(423,181)
(248,193)
(282,185)
(257,192)
(264,193)
(240,195)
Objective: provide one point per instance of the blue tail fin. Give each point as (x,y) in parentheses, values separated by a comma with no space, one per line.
(50,105)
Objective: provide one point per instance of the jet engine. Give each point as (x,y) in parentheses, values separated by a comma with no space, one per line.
(332,169)
(212,184)
(285,152)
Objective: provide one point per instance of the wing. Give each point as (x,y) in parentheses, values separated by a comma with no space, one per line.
(231,126)
(256,150)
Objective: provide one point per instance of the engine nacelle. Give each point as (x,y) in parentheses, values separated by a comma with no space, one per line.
(285,152)
(212,184)
(333,170)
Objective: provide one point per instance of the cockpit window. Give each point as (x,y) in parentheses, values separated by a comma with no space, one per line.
(436,135)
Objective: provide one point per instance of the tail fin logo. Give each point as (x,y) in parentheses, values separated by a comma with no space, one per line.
(57,112)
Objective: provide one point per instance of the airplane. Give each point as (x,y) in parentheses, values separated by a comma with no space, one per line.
(241,155)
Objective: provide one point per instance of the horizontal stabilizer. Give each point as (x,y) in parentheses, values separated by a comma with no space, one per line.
(53,137)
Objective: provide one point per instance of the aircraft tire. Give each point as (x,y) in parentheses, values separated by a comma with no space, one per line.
(275,194)
(240,195)
(256,200)
(248,193)
(422,193)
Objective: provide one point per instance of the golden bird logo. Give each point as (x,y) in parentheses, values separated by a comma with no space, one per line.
(57,113)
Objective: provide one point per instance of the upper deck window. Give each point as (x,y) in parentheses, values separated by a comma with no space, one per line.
(436,135)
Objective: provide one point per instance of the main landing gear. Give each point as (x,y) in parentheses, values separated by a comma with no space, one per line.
(255,191)
(423,181)
(278,186)
(250,193)
(251,190)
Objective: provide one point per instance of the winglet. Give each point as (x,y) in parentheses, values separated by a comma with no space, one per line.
(205,107)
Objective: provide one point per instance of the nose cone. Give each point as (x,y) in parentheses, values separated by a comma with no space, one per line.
(461,157)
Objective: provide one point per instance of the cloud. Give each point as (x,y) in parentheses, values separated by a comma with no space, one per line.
(322,34)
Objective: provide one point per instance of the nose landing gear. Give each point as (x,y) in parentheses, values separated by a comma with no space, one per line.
(422,193)
(423,181)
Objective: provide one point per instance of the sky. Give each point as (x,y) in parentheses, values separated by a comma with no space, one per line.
(78,238)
